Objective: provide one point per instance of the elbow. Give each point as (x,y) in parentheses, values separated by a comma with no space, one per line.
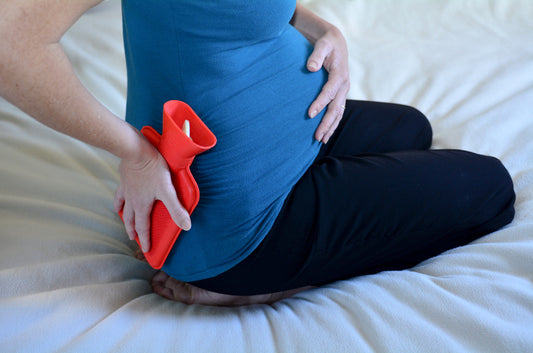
(16,46)
(4,66)
(7,55)
(8,51)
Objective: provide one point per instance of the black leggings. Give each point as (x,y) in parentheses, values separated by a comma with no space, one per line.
(374,199)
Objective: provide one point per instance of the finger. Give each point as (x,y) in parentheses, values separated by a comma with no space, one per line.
(118,202)
(327,94)
(177,212)
(142,227)
(329,122)
(332,118)
(318,56)
(129,221)
(340,114)
(331,130)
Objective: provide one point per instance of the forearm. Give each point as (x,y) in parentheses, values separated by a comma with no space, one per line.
(40,80)
(37,77)
(309,24)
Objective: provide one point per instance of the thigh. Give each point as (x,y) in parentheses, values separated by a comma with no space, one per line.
(392,211)
(351,216)
(373,127)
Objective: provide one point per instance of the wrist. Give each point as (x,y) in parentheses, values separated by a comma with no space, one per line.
(309,24)
(133,147)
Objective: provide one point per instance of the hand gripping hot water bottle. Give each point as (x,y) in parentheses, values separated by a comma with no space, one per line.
(179,149)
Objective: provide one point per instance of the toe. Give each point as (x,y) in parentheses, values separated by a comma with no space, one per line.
(139,255)
(160,277)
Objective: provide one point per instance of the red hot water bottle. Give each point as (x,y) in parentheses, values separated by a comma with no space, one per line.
(179,151)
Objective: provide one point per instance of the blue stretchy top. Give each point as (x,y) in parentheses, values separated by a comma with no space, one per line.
(242,67)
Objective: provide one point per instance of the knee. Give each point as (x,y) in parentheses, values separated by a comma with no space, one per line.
(503,189)
(499,199)
(420,126)
(417,131)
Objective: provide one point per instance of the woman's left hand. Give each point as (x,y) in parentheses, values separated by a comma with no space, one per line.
(330,52)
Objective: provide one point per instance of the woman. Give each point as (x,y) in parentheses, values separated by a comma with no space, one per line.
(303,187)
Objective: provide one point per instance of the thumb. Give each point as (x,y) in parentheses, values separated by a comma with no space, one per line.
(177,212)
(317,57)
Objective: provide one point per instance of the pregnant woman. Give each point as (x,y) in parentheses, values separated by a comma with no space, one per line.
(303,187)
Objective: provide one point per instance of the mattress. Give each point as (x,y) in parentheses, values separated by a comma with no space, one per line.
(69,280)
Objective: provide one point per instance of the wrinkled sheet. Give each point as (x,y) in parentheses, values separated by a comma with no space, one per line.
(68,278)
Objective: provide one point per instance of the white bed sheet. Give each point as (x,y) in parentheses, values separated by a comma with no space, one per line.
(68,278)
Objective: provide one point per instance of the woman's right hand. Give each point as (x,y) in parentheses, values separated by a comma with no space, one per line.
(142,182)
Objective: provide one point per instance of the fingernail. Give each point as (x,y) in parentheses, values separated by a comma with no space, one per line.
(186,225)
(313,114)
(312,65)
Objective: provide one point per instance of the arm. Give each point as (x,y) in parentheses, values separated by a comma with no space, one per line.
(36,76)
(331,53)
(309,24)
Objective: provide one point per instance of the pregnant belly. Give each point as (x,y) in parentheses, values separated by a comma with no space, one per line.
(265,142)
(257,109)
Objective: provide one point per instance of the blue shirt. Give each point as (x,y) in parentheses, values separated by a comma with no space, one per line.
(242,67)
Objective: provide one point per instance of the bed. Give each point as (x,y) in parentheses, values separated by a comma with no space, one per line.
(69,280)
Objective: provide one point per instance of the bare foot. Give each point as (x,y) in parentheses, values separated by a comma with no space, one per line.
(175,290)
